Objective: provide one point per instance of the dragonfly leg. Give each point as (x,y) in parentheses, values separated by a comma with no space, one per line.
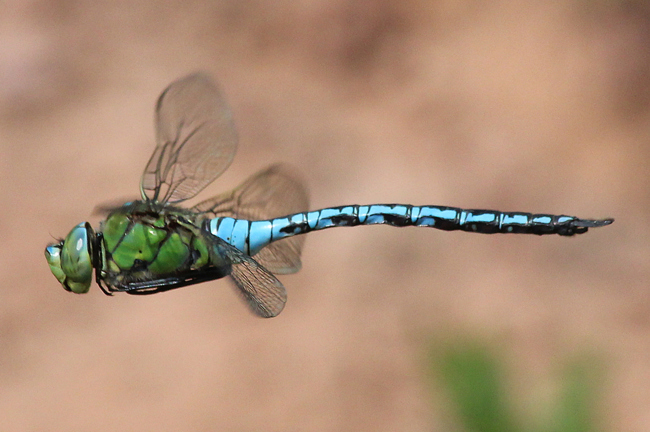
(170,283)
(98,264)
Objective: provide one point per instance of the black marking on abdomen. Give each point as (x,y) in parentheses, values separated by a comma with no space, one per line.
(443,224)
(345,220)
(396,220)
(295,228)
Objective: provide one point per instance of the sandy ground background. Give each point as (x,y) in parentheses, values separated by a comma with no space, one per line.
(508,105)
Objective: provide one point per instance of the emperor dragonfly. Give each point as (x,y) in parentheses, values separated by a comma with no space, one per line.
(153,245)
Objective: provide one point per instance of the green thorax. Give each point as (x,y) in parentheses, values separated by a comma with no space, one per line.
(144,241)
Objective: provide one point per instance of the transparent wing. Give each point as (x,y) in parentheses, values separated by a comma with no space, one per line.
(263,293)
(196,140)
(273,192)
(110,206)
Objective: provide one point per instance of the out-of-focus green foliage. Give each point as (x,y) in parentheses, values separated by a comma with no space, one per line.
(577,405)
(474,383)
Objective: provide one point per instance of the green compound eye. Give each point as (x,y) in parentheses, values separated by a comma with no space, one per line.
(70,261)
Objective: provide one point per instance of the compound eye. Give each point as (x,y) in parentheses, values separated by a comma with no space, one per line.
(75,259)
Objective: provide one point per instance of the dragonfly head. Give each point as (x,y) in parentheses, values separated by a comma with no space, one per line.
(71,260)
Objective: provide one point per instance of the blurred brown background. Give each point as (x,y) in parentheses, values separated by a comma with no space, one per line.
(513,106)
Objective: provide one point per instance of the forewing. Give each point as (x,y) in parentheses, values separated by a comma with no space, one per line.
(273,192)
(196,140)
(263,293)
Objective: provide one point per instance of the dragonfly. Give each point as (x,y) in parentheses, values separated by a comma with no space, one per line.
(249,233)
